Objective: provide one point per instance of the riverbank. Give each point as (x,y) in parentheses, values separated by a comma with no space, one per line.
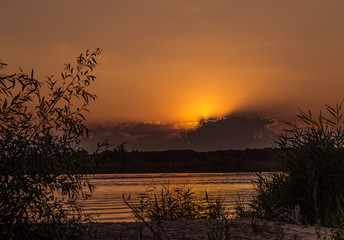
(241,228)
(184,161)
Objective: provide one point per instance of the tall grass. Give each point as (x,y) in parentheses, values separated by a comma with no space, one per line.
(309,186)
(166,203)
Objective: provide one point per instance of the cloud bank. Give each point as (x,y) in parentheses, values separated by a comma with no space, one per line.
(232,132)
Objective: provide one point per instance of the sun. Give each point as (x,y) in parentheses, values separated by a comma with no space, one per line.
(199,110)
(204,110)
(203,104)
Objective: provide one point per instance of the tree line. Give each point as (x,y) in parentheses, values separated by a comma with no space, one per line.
(122,161)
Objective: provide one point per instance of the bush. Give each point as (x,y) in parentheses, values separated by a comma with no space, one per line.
(41,169)
(176,204)
(310,185)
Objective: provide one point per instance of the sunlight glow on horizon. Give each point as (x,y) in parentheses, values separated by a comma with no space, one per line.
(189,61)
(205,105)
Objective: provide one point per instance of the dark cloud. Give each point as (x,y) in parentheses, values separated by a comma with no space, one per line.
(139,136)
(235,132)
(232,132)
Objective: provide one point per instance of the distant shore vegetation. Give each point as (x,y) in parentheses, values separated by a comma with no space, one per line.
(119,160)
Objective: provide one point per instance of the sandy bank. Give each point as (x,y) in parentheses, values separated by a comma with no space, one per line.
(241,228)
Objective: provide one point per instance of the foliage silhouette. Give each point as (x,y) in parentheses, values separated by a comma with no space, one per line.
(121,161)
(310,185)
(41,169)
(166,203)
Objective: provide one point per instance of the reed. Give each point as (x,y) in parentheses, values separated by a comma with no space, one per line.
(166,203)
(309,187)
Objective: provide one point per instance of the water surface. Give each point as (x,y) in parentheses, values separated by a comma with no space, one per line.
(106,203)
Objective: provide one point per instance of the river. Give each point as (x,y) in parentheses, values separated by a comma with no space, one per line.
(106,204)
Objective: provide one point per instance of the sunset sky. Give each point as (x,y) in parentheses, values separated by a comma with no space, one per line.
(169,64)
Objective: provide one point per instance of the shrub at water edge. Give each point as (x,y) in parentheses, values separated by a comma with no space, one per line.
(41,170)
(310,185)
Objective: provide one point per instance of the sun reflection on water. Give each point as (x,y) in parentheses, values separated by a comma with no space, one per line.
(107,199)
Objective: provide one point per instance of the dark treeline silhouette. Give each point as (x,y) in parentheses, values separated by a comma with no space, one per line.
(248,160)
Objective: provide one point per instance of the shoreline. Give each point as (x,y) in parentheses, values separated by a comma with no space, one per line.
(183,161)
(239,228)
(162,172)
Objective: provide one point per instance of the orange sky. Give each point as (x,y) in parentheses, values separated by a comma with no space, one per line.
(186,60)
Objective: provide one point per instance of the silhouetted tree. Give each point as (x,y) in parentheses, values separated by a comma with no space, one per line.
(41,170)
